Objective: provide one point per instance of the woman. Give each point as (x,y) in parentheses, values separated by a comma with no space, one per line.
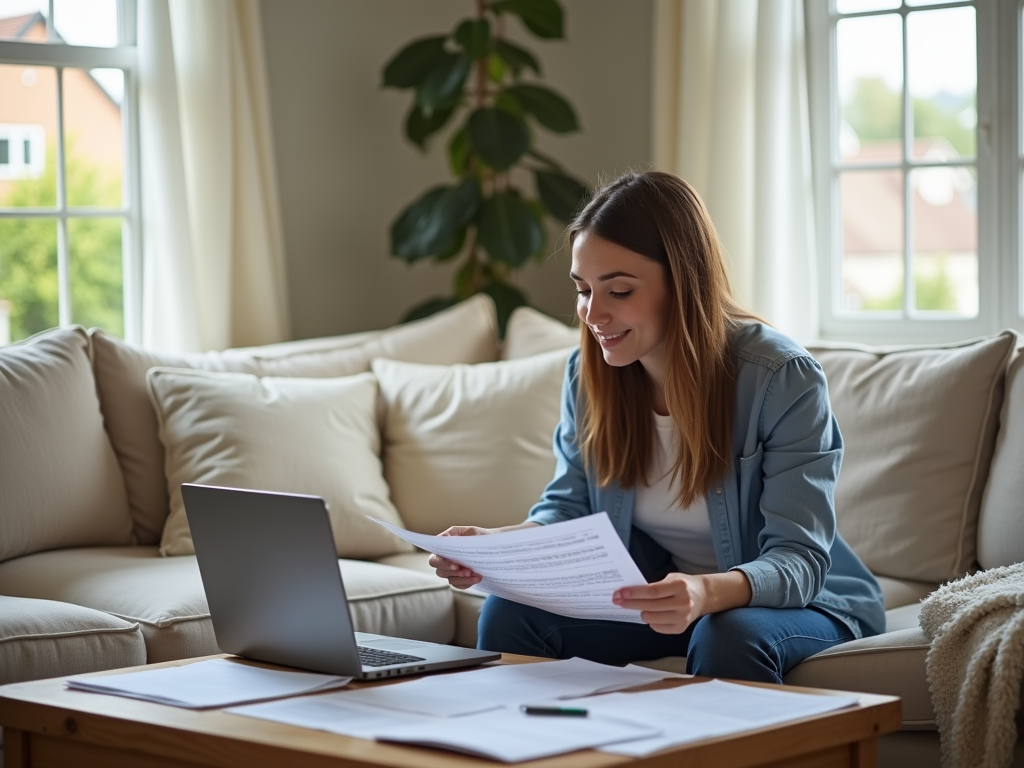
(709,440)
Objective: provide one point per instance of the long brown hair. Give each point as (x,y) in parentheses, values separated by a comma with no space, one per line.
(661,217)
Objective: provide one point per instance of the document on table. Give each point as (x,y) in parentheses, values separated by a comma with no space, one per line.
(704,710)
(501,734)
(478,690)
(569,568)
(213,683)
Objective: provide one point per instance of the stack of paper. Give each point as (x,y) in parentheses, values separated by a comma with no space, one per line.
(213,683)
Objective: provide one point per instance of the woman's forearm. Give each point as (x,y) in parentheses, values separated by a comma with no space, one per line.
(723,591)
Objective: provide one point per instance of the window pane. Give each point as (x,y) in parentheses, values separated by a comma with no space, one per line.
(869,54)
(97,297)
(942,75)
(872,213)
(945,230)
(92,125)
(28,276)
(86,22)
(929,2)
(23,20)
(857,6)
(28,131)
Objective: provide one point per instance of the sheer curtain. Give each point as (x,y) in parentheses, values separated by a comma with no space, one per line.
(730,116)
(213,254)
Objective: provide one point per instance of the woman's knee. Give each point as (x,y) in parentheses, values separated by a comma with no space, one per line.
(508,627)
(729,644)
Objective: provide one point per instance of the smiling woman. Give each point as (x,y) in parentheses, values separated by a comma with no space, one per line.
(709,440)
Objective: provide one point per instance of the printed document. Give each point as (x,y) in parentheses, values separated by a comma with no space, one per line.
(569,568)
(213,683)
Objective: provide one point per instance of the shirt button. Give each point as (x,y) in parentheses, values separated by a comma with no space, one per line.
(718,490)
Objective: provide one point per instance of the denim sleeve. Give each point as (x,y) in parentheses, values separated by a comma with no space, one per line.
(567,496)
(801,453)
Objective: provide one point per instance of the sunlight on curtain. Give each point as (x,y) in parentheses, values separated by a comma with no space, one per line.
(213,254)
(731,117)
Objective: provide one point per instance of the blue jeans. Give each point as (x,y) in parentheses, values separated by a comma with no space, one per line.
(759,644)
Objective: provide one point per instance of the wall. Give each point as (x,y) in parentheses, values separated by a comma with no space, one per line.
(345,170)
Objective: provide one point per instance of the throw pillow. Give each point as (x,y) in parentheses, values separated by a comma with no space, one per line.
(469,444)
(312,436)
(60,485)
(919,426)
(530,332)
(464,333)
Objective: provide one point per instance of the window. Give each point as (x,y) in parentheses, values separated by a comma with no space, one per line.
(69,192)
(915,166)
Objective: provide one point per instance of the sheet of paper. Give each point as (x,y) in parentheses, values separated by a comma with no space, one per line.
(213,683)
(703,710)
(511,736)
(569,568)
(479,690)
(329,713)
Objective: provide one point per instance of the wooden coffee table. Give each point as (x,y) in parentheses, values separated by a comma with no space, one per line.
(47,725)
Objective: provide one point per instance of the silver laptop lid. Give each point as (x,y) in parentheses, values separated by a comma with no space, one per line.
(257,551)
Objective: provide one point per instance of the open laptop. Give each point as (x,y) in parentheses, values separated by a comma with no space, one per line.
(275,592)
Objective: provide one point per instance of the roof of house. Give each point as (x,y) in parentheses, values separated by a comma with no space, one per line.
(15,27)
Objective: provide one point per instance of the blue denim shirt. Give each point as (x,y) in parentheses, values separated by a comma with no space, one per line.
(773,515)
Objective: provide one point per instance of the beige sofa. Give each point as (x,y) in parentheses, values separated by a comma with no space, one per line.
(427,425)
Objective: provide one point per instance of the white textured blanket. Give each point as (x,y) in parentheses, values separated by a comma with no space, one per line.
(976,665)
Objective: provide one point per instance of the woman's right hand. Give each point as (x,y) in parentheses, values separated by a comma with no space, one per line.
(457,575)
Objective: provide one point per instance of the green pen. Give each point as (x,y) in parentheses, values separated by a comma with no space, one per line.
(563,711)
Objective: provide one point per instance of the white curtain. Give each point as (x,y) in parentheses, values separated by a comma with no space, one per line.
(213,253)
(730,116)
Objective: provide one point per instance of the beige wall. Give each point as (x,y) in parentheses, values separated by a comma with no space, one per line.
(345,171)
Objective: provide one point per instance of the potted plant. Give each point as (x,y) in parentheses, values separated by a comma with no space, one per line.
(483,216)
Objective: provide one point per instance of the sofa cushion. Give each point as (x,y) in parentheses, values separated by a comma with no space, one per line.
(311,436)
(60,484)
(469,444)
(44,638)
(892,663)
(919,426)
(900,592)
(1001,524)
(530,332)
(165,595)
(463,334)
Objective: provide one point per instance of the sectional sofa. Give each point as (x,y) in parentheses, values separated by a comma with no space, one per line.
(427,425)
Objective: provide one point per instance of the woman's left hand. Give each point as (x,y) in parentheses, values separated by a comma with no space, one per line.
(669,606)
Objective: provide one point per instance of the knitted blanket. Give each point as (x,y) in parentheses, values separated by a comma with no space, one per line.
(976,664)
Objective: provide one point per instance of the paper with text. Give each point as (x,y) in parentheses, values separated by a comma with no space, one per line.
(569,568)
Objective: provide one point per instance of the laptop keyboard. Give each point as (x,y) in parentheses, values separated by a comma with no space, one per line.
(374,657)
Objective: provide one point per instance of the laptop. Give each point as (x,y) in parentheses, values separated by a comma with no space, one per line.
(275,590)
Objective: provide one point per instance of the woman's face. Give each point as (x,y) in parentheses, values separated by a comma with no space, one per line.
(623,299)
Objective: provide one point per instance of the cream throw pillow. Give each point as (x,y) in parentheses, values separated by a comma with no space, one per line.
(314,436)
(469,444)
(530,332)
(919,427)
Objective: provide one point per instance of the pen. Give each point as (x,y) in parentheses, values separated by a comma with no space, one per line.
(563,711)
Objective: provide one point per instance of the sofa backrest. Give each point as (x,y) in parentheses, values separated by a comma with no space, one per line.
(60,483)
(1001,523)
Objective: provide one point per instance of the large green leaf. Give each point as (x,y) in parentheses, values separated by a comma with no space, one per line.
(458,152)
(562,195)
(431,226)
(542,17)
(506,298)
(508,230)
(547,160)
(497,137)
(515,57)
(419,127)
(550,109)
(474,35)
(409,66)
(443,84)
(428,308)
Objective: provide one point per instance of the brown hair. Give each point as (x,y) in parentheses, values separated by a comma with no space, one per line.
(661,217)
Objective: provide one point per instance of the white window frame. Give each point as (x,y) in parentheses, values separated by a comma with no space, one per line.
(125,57)
(999,167)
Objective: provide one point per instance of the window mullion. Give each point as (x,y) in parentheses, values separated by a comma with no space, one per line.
(908,198)
(63,258)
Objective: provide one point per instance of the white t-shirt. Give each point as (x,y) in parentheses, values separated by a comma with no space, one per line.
(685,533)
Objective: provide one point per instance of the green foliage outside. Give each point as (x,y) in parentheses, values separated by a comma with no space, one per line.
(483,217)
(933,290)
(874,113)
(28,252)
